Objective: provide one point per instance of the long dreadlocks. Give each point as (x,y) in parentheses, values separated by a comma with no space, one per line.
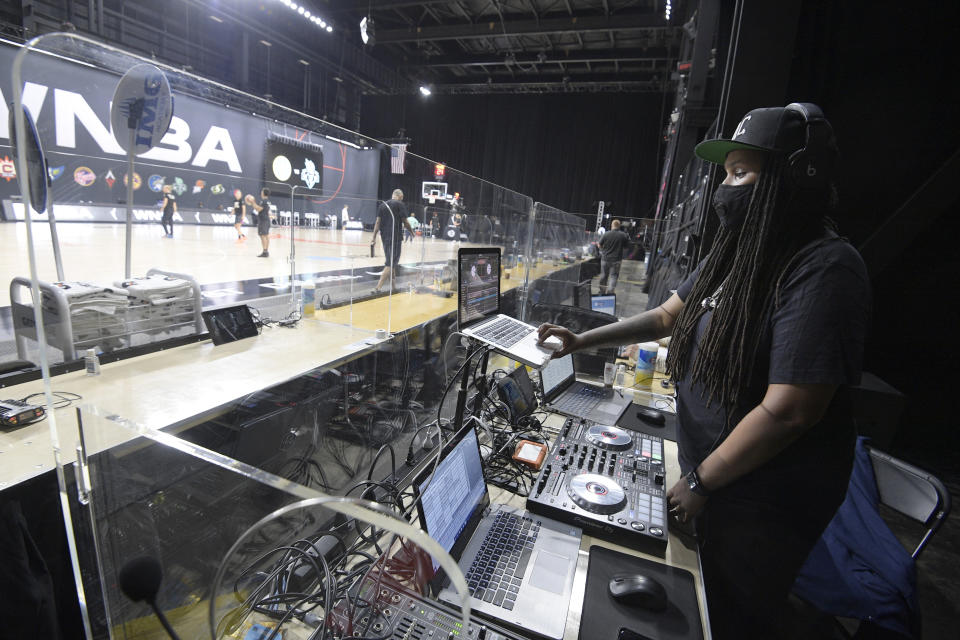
(749,263)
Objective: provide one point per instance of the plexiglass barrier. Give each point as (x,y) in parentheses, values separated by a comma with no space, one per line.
(317,399)
(556,245)
(233,204)
(238,549)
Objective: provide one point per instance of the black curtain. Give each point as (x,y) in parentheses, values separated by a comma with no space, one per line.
(567,151)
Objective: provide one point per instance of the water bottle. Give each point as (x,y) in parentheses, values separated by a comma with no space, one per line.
(92,362)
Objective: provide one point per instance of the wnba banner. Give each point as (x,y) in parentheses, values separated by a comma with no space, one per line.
(208,151)
(13,211)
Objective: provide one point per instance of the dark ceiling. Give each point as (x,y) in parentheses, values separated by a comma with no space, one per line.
(270,48)
(521,46)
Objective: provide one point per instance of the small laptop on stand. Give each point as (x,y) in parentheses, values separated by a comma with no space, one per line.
(563,393)
(519,566)
(478,310)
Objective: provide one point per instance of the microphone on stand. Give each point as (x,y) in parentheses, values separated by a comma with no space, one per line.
(140,580)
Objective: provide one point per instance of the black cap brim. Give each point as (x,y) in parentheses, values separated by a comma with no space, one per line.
(716,150)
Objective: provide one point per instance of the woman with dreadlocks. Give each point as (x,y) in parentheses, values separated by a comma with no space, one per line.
(767,333)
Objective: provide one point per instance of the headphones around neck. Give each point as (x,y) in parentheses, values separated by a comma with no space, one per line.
(812,166)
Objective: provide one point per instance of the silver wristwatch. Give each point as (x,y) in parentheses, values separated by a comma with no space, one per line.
(693,482)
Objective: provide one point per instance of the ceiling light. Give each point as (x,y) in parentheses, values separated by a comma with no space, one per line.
(216,19)
(367,31)
(329,28)
(425,90)
(265,43)
(303,62)
(306,13)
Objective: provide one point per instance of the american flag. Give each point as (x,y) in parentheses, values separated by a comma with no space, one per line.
(397,154)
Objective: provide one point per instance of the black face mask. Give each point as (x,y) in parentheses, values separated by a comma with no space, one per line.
(731,204)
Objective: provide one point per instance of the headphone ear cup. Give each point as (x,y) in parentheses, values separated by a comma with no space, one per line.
(807,170)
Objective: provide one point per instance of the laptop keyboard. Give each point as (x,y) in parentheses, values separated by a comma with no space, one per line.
(497,570)
(505,332)
(583,401)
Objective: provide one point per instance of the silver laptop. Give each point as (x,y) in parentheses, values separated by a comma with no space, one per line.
(563,393)
(478,310)
(519,566)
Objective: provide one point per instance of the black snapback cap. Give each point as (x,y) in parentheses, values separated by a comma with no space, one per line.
(770,129)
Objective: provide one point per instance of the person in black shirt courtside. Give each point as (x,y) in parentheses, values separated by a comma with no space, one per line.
(169,208)
(263,219)
(391,220)
(612,244)
(767,337)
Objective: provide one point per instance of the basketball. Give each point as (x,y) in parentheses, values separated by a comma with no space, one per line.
(249,199)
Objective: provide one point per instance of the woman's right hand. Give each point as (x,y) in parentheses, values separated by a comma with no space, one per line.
(570,340)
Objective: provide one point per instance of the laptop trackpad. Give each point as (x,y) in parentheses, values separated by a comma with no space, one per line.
(608,407)
(550,572)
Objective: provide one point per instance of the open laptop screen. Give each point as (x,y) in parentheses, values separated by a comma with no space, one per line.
(555,375)
(605,303)
(516,391)
(478,284)
(455,496)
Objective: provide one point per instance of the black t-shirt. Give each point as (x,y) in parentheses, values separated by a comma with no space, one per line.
(612,244)
(168,200)
(263,216)
(238,207)
(388,225)
(814,335)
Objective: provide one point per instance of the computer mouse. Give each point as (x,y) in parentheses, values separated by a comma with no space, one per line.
(638,590)
(651,416)
(553,343)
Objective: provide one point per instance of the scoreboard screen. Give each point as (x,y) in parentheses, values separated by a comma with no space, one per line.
(294,164)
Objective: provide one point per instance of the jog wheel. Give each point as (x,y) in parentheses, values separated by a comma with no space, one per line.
(597,494)
(610,438)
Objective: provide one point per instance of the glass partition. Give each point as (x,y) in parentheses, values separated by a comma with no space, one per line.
(112,272)
(556,247)
(320,403)
(230,548)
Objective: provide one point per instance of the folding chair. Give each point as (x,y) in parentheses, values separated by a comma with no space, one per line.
(855,574)
(911,491)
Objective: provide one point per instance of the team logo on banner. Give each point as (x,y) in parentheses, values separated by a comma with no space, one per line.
(84,176)
(217,189)
(110,178)
(7,170)
(155,183)
(55,172)
(309,173)
(136,180)
(179,186)
(282,168)
(199,185)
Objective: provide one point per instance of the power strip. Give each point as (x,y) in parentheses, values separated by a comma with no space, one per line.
(14,413)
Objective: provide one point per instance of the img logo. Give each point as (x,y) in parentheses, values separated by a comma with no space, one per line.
(142,108)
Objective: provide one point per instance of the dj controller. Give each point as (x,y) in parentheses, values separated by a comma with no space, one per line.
(606,480)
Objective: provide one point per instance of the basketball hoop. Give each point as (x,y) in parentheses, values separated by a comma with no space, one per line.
(432,199)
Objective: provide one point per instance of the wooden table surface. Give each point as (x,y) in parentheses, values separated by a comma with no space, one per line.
(175,386)
(408,310)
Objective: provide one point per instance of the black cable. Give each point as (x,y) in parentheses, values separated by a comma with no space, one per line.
(393,461)
(64,398)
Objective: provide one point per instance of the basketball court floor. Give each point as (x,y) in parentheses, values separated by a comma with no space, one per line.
(95,253)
